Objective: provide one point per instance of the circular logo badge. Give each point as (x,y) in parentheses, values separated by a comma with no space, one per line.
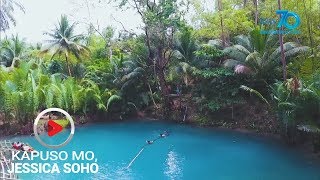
(53,127)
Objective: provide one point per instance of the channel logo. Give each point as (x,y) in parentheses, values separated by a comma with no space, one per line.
(283,24)
(52,126)
(284,16)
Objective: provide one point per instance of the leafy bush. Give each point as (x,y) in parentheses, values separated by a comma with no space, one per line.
(26,90)
(55,67)
(218,88)
(208,56)
(297,102)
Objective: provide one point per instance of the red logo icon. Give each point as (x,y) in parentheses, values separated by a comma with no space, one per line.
(53,128)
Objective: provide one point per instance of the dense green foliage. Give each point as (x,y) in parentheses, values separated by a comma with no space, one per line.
(220,63)
(25,91)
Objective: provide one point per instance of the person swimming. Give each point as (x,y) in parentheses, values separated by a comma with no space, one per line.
(164,134)
(149,142)
(14,145)
(26,148)
(17,145)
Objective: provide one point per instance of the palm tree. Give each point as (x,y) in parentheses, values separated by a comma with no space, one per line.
(125,74)
(64,42)
(185,44)
(6,16)
(12,50)
(258,54)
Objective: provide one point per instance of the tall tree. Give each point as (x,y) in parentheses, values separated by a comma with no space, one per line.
(228,16)
(219,5)
(64,42)
(161,20)
(283,57)
(256,13)
(308,26)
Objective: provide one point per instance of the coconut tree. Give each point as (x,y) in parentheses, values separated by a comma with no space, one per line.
(65,42)
(259,54)
(12,50)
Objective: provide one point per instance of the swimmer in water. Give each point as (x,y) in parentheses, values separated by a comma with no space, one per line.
(164,134)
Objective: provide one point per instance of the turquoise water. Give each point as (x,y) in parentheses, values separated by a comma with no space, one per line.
(188,153)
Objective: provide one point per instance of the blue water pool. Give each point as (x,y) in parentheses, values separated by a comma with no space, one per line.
(188,153)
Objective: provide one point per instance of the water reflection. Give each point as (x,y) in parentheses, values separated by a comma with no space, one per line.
(174,169)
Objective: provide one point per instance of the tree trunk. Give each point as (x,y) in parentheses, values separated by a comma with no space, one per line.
(0,21)
(164,88)
(256,13)
(108,50)
(283,58)
(68,66)
(223,38)
(309,27)
(151,94)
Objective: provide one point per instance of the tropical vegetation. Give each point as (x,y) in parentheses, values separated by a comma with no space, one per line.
(219,70)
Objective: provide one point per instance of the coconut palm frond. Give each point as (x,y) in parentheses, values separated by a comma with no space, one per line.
(186,44)
(231,63)
(275,55)
(237,52)
(272,41)
(254,57)
(258,40)
(250,90)
(244,41)
(296,51)
(255,62)
(113,99)
(6,13)
(217,43)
